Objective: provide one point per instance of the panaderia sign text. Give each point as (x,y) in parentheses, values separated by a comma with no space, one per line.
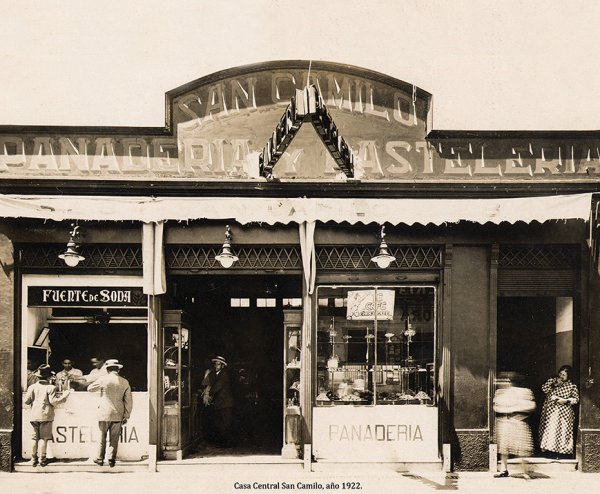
(380,433)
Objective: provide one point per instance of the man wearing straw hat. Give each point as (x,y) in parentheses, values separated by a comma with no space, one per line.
(218,395)
(114,408)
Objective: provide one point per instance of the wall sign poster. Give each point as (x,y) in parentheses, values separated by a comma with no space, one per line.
(364,305)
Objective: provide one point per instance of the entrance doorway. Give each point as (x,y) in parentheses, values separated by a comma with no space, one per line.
(240,318)
(535,338)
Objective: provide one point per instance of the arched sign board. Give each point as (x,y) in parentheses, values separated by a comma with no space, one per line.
(217,127)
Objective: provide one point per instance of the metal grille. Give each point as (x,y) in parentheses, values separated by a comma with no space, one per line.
(407,257)
(250,258)
(96,257)
(538,270)
(555,282)
(551,256)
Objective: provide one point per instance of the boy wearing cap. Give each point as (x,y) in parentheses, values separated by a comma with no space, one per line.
(114,408)
(42,397)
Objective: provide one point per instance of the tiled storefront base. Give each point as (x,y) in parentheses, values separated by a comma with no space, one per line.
(590,448)
(471,451)
(5,451)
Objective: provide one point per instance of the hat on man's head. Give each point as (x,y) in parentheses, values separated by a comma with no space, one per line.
(44,371)
(113,362)
(218,358)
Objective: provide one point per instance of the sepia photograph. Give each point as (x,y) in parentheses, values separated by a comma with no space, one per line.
(273,246)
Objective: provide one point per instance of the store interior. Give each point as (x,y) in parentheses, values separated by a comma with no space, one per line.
(82,341)
(239,317)
(78,334)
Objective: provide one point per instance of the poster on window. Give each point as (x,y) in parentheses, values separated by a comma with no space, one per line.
(365,305)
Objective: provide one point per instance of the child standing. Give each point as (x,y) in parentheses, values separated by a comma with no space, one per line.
(42,397)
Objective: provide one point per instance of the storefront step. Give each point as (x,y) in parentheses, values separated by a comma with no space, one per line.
(257,462)
(331,466)
(544,465)
(81,466)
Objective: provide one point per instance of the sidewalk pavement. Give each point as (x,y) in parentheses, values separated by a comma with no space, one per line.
(246,479)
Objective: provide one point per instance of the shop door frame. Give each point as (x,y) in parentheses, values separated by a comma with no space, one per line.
(572,285)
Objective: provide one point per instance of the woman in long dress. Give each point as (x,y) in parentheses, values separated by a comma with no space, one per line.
(512,404)
(558,417)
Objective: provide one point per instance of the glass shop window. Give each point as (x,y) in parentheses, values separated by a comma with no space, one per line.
(68,338)
(375,345)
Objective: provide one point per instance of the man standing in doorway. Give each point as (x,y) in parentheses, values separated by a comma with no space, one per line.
(218,394)
(114,408)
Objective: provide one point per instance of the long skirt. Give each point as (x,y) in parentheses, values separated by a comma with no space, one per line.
(513,435)
(556,428)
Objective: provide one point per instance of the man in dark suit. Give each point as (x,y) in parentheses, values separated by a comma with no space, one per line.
(218,394)
(114,408)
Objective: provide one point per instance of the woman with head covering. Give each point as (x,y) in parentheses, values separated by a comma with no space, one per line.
(558,417)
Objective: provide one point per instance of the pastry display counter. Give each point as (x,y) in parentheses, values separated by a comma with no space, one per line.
(375,346)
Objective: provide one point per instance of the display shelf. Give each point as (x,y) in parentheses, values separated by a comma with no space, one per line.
(375,345)
(292,367)
(176,372)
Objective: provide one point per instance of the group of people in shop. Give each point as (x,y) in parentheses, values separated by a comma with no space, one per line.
(513,403)
(46,389)
(70,377)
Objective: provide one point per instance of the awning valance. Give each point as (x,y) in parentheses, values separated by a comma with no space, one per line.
(298,210)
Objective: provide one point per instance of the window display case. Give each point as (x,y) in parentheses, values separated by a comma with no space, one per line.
(375,345)
(176,375)
(292,416)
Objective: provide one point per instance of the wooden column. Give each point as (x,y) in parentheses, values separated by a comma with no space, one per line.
(306,378)
(445,339)
(9,382)
(154,384)
(493,322)
(470,300)
(588,437)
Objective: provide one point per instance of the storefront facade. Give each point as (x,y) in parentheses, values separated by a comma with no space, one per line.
(495,267)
